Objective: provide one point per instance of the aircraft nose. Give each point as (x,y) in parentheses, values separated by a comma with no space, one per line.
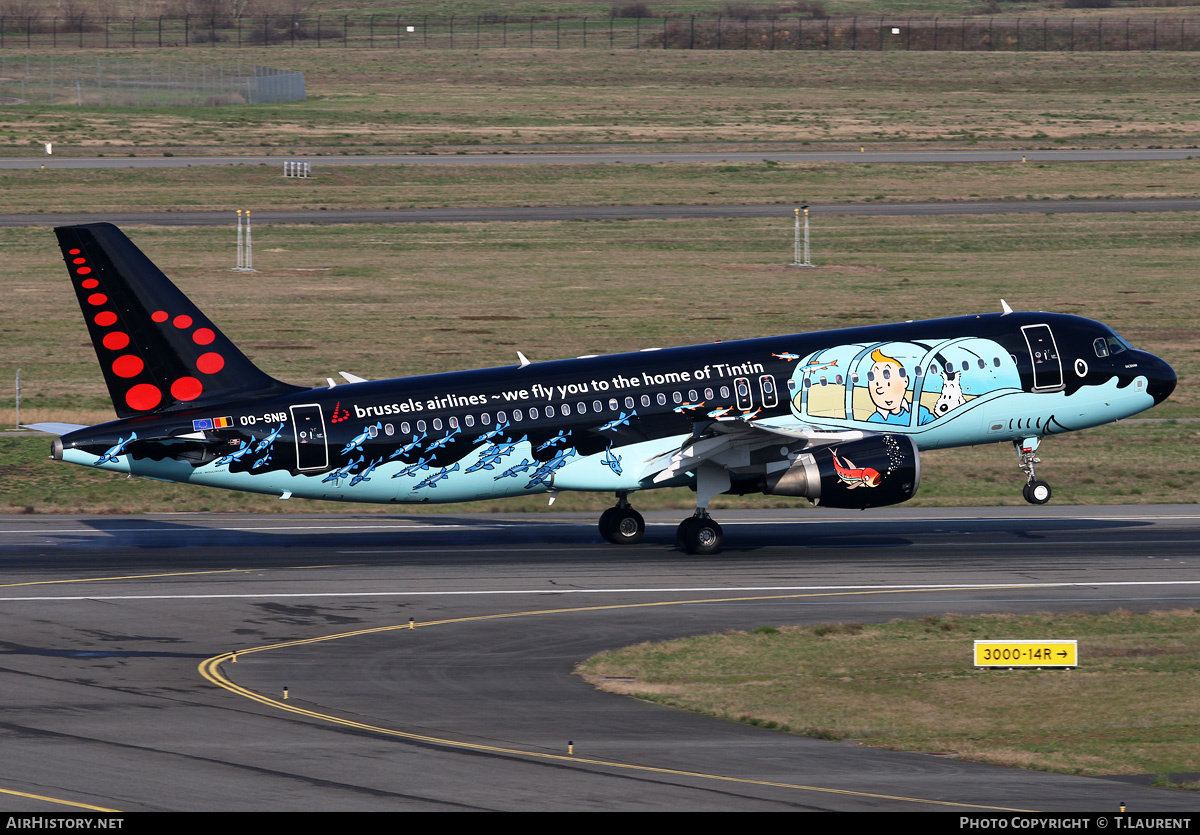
(1162,379)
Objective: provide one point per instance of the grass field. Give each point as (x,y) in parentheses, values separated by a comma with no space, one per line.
(336,186)
(362,100)
(393,300)
(909,685)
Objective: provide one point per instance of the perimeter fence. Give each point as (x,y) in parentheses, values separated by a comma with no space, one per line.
(385,31)
(63,79)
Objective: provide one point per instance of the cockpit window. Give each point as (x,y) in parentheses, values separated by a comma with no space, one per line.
(1106,345)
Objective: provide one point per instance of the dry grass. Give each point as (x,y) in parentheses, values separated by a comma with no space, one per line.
(362,100)
(910,686)
(400,300)
(336,186)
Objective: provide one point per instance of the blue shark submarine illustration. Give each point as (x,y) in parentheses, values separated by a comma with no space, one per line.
(838,417)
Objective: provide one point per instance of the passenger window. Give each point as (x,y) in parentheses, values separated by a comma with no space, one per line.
(485,418)
(708,394)
(517,416)
(420,426)
(533,413)
(613,405)
(549,411)
(597,406)
(693,396)
(373,431)
(388,429)
(628,402)
(581,407)
(724,392)
(645,400)
(677,396)
(437,424)
(405,428)
(469,420)
(453,423)
(501,417)
(662,399)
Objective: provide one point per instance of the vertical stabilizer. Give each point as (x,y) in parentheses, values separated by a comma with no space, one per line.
(157,350)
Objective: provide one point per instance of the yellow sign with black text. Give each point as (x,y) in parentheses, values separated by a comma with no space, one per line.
(1050,653)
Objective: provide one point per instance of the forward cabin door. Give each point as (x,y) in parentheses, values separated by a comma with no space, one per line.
(1047,367)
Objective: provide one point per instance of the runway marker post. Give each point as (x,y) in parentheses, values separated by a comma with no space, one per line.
(806,253)
(245,250)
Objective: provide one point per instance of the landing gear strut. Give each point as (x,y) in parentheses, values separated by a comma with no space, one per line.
(622,525)
(1035,491)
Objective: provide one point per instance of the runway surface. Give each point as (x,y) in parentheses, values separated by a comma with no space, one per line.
(555,213)
(109,626)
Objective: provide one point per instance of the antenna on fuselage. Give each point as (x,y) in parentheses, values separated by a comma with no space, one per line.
(1004,306)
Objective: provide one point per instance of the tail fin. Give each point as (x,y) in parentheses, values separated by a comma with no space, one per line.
(157,350)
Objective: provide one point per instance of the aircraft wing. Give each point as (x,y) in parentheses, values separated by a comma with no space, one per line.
(731,444)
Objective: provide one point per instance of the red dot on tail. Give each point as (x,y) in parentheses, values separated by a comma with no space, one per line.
(159,316)
(210,363)
(105,318)
(79,261)
(73,252)
(115,341)
(186,388)
(90,283)
(203,336)
(84,270)
(97,299)
(143,397)
(182,321)
(127,365)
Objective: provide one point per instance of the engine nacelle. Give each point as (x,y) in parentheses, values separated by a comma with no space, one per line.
(874,471)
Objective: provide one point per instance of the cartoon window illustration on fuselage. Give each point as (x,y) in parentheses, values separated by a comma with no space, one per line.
(901,384)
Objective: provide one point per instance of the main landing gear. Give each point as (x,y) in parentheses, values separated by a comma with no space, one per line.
(699,534)
(622,525)
(1035,491)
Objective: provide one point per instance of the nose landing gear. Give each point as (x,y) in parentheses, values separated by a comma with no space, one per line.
(1035,490)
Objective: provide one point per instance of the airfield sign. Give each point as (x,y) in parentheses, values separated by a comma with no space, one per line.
(1049,653)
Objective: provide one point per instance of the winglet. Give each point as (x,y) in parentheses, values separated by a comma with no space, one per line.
(352,378)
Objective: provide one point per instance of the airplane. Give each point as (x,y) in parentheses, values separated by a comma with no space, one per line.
(837,417)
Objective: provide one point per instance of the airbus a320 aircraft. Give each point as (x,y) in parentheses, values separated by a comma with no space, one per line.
(838,417)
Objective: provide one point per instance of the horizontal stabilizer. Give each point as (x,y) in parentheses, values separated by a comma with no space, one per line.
(54,428)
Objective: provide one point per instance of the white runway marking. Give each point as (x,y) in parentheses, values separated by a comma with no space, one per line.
(665,590)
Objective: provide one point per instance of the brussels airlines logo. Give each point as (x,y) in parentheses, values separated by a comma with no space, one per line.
(339,414)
